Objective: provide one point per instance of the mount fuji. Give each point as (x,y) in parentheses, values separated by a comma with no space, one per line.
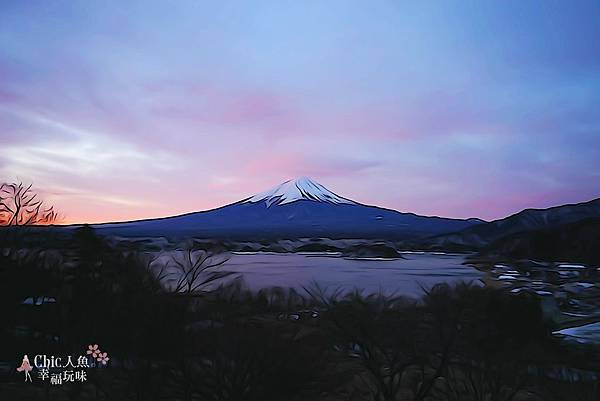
(296,190)
(297,208)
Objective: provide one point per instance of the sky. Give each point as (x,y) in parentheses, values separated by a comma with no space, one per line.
(124,110)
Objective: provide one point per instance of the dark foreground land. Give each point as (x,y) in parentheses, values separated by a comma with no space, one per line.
(193,340)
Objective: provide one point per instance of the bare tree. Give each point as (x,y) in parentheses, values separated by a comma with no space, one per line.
(197,269)
(21,206)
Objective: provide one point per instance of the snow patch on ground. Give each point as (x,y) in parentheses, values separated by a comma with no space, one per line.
(589,333)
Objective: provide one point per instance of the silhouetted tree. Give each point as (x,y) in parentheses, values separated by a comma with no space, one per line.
(195,270)
(384,336)
(496,340)
(21,206)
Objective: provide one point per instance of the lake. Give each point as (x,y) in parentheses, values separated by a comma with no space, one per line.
(402,276)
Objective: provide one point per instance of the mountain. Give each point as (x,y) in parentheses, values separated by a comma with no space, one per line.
(574,242)
(527,220)
(295,209)
(300,189)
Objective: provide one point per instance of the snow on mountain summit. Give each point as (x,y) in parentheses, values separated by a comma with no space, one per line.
(299,189)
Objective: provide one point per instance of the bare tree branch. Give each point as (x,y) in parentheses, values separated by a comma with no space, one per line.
(195,270)
(20,205)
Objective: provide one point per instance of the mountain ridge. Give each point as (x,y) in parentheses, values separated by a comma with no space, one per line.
(529,219)
(295,208)
(247,199)
(577,241)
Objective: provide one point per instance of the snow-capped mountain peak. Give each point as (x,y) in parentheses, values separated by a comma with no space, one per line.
(299,189)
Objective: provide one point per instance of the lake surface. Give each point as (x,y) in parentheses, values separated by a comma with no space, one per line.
(402,276)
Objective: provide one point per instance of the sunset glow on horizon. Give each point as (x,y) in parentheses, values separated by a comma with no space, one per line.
(121,111)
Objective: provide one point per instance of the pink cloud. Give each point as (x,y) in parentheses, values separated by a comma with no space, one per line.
(244,108)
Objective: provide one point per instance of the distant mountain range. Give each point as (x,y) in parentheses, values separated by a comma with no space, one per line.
(295,209)
(560,233)
(524,221)
(303,208)
(574,242)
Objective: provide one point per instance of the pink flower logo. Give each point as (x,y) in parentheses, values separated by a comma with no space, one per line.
(93,350)
(97,354)
(103,358)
